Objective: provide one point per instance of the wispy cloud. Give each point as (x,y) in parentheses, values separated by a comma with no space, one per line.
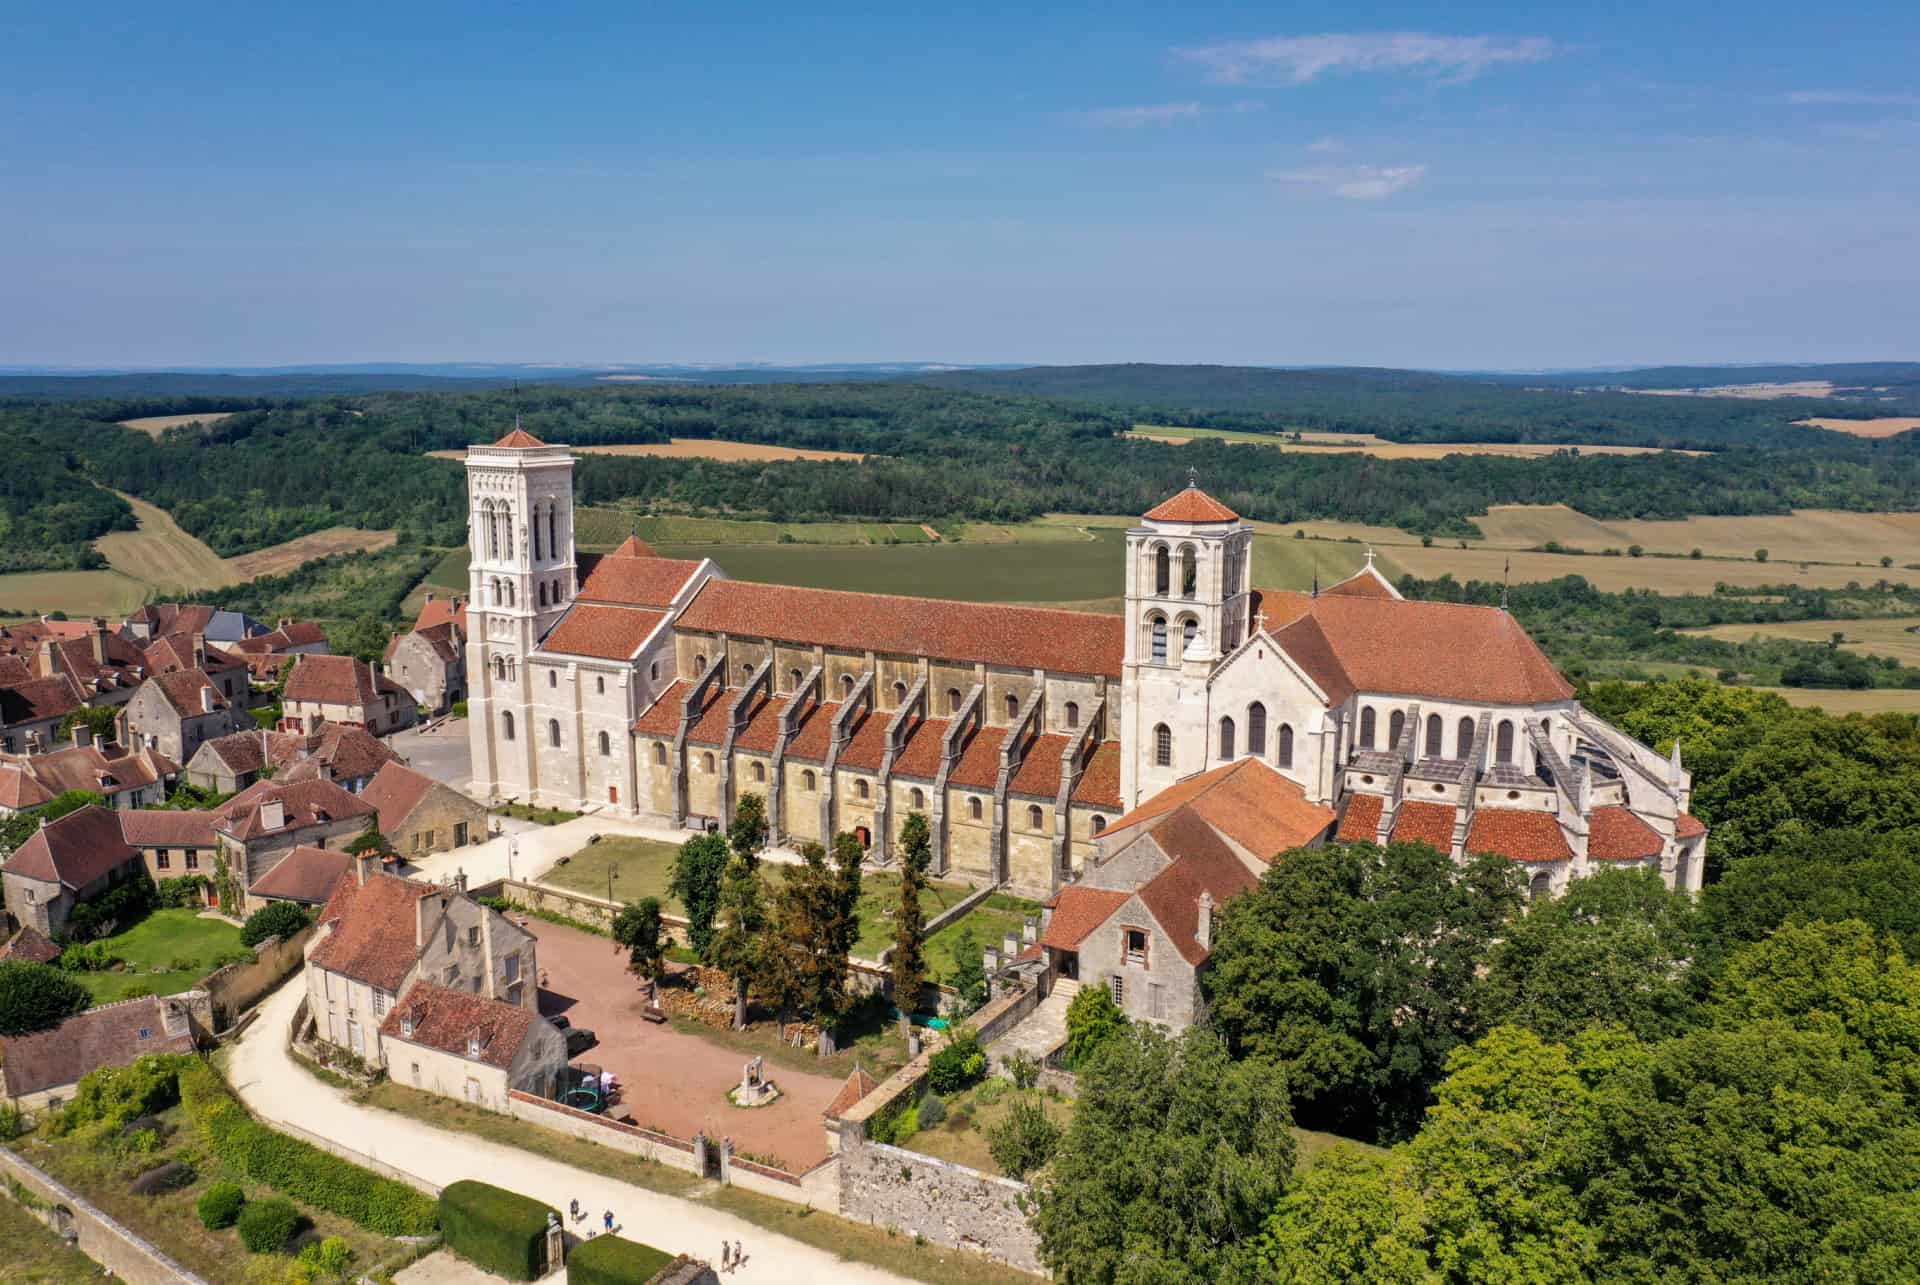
(1354,182)
(1324,145)
(1851,98)
(1136,117)
(1295,60)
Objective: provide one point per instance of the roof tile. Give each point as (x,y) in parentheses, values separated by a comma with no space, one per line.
(1191,505)
(1419,821)
(1518,835)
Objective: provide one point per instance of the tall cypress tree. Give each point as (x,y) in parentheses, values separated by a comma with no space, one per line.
(910,928)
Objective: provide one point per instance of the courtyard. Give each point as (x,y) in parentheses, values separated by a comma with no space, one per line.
(165,953)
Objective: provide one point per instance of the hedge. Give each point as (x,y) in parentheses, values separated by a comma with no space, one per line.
(267,1225)
(497,1230)
(609,1260)
(299,1169)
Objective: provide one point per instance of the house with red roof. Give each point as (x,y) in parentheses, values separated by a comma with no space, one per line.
(430,660)
(123,777)
(265,823)
(419,815)
(178,710)
(74,859)
(347,756)
(341,689)
(39,1071)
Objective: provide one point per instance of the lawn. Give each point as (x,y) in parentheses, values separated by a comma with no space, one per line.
(35,1256)
(988,922)
(177,943)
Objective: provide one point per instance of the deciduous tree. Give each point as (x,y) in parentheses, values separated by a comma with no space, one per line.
(698,871)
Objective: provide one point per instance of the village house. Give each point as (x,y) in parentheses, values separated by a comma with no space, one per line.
(159,619)
(266,653)
(173,843)
(39,1071)
(68,861)
(33,708)
(340,689)
(431,663)
(347,756)
(180,653)
(261,825)
(177,711)
(125,778)
(461,1045)
(306,875)
(30,946)
(419,815)
(380,935)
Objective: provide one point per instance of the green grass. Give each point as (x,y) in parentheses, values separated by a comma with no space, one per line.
(1282,562)
(541,816)
(451,571)
(989,921)
(35,1256)
(985,1105)
(159,941)
(603,528)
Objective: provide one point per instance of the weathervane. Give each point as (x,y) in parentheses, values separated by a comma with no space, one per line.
(1193,478)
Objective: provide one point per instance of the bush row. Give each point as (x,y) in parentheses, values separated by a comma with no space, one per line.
(498,1230)
(299,1169)
(609,1260)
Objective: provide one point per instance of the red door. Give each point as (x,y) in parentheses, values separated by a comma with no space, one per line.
(613,794)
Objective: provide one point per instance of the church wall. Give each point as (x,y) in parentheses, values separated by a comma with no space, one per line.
(944,677)
(1164,696)
(801,805)
(744,780)
(842,665)
(853,810)
(703,782)
(1002,683)
(904,806)
(1029,850)
(1082,837)
(690,649)
(1130,866)
(903,670)
(555,700)
(656,773)
(969,842)
(1084,692)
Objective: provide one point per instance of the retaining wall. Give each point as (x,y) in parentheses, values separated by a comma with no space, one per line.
(238,987)
(107,1242)
(947,1203)
(675,1152)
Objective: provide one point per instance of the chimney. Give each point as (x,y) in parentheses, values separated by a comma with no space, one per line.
(47,659)
(363,864)
(1203,931)
(33,745)
(99,640)
(460,880)
(206,699)
(82,736)
(429,597)
(273,814)
(199,651)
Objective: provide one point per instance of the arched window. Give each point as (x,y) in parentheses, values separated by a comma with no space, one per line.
(1162,571)
(899,694)
(706,763)
(1366,728)
(1099,823)
(1035,818)
(1189,571)
(653,672)
(1159,627)
(536,534)
(1189,630)
(1540,886)
(746,673)
(1162,746)
(1436,736)
(973,809)
(606,745)
(759,770)
(553,539)
(953,700)
(553,732)
(1073,714)
(1257,730)
(1463,739)
(846,686)
(918,800)
(1013,706)
(500,668)
(513,596)
(699,664)
(806,782)
(599,684)
(553,678)
(660,751)
(1503,742)
(793,680)
(506,724)
(860,789)
(1396,724)
(1226,738)
(1286,745)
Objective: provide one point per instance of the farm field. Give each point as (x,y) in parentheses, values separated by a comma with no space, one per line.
(698,448)
(603,528)
(1872,700)
(280,558)
(1888,636)
(78,593)
(163,555)
(1324,443)
(1663,575)
(1886,427)
(1757,392)
(154,425)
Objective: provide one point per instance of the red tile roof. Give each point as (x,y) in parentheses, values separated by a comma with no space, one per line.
(182,689)
(108,769)
(630,581)
(306,803)
(662,718)
(1074,642)
(442,611)
(30,945)
(336,680)
(39,698)
(608,633)
(814,734)
(19,790)
(1191,505)
(1367,582)
(395,791)
(710,727)
(1689,826)
(1421,822)
(347,753)
(1173,896)
(1615,834)
(868,744)
(75,850)
(166,828)
(978,766)
(921,756)
(633,547)
(519,439)
(857,1086)
(1360,823)
(306,874)
(1077,911)
(1248,801)
(374,925)
(1517,834)
(1039,772)
(1100,783)
(104,1036)
(762,727)
(438,1017)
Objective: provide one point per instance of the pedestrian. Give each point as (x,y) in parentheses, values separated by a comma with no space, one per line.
(726,1257)
(738,1257)
(573,1209)
(608,1219)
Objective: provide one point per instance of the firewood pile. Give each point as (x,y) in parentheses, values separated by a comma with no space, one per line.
(705,994)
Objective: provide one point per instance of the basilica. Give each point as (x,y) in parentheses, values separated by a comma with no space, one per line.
(1076,757)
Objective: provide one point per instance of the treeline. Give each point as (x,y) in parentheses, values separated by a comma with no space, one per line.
(49,510)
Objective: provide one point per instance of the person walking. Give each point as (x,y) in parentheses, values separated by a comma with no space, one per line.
(726,1257)
(607,1218)
(738,1257)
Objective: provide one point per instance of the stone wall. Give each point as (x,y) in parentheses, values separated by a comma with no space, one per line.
(112,1245)
(676,1153)
(237,987)
(948,1204)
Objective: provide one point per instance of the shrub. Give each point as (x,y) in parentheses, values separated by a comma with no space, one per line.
(1025,1140)
(36,997)
(115,910)
(610,1260)
(1023,1069)
(960,1064)
(904,1126)
(459,709)
(297,1168)
(267,1225)
(329,1258)
(91,957)
(167,1177)
(932,1110)
(277,919)
(220,1204)
(991,1092)
(111,1097)
(497,1230)
(1092,1019)
(184,891)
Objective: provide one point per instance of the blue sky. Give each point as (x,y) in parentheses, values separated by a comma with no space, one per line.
(1470,185)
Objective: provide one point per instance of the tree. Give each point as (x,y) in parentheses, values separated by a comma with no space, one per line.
(969,975)
(739,943)
(363,638)
(1092,1019)
(1833,875)
(1615,948)
(1354,967)
(21,826)
(1025,1139)
(698,870)
(639,929)
(1174,1158)
(36,997)
(748,834)
(275,919)
(1352,1216)
(909,926)
(1759,555)
(97,719)
(368,840)
(808,945)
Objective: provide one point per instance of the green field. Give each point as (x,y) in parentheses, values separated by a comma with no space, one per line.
(988,923)
(162,940)
(603,528)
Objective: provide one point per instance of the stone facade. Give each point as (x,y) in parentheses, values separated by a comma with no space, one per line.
(947,1203)
(154,720)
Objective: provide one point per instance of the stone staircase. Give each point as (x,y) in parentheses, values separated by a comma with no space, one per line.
(1041,1031)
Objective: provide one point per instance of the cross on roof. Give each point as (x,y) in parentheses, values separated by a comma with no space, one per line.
(1263,620)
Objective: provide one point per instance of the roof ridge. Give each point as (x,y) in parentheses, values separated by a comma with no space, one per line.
(910,597)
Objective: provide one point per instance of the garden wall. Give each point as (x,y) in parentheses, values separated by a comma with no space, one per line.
(818,1187)
(237,987)
(128,1256)
(947,1203)
(674,1152)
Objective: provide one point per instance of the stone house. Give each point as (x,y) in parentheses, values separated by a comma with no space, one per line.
(31,707)
(40,1070)
(347,756)
(261,825)
(340,689)
(159,619)
(431,664)
(102,665)
(179,711)
(180,653)
(462,1045)
(419,815)
(266,653)
(173,844)
(71,860)
(125,778)
(379,935)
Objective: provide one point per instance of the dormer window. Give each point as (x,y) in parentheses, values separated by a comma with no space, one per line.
(406,1026)
(473,1045)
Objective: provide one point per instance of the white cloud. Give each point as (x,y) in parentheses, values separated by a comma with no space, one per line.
(1135,117)
(1295,60)
(1850,98)
(1354,182)
(1324,145)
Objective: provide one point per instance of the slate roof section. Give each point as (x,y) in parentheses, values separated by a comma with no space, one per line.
(1518,835)
(1100,783)
(1246,800)
(1077,912)
(1615,834)
(1074,642)
(395,791)
(372,940)
(75,850)
(604,633)
(104,1036)
(166,828)
(449,1020)
(1191,505)
(1419,821)
(1360,823)
(306,874)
